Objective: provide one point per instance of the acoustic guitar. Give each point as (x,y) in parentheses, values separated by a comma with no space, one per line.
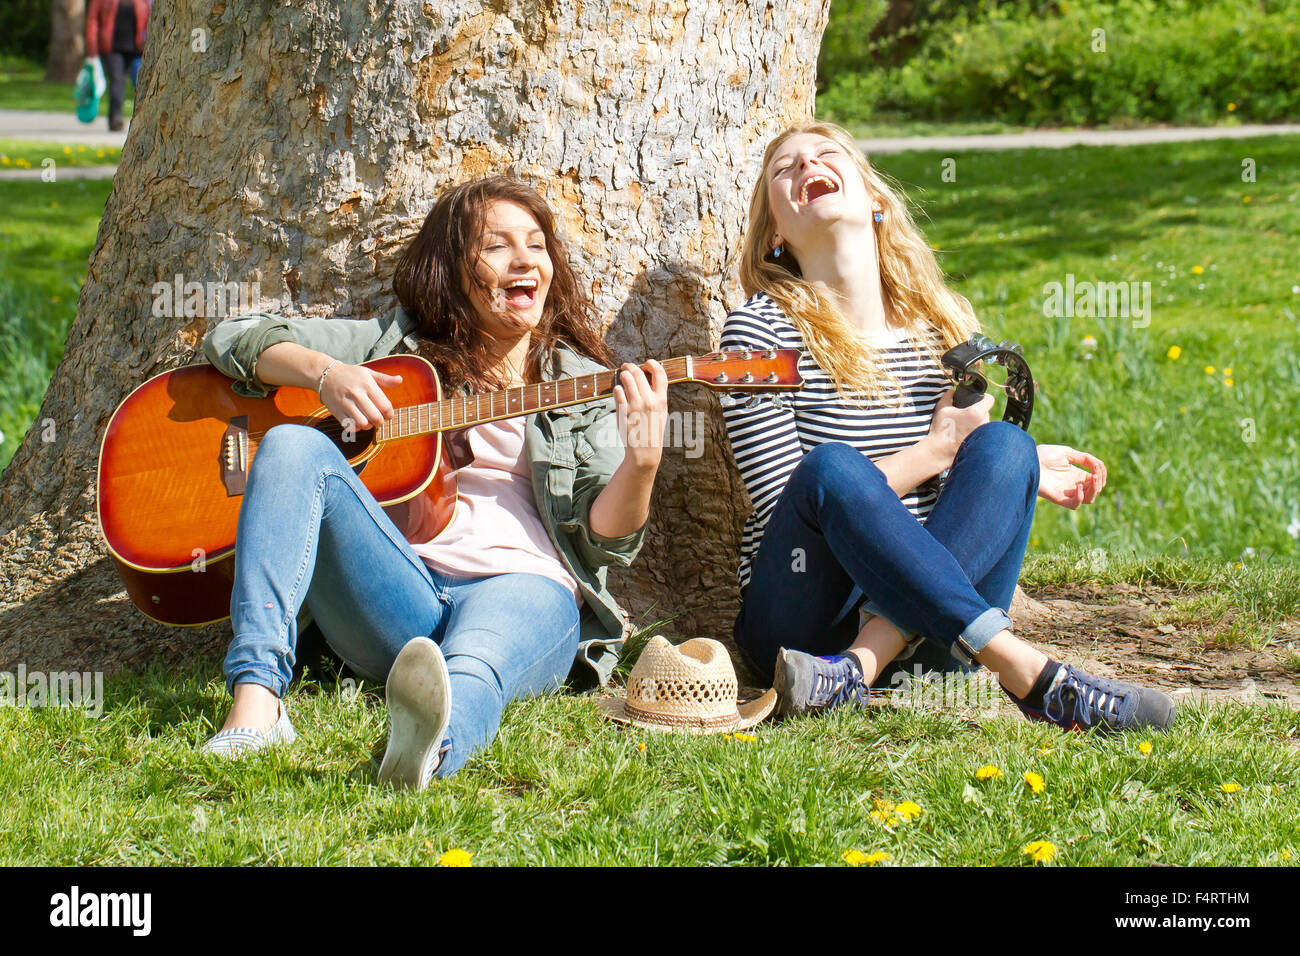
(176,456)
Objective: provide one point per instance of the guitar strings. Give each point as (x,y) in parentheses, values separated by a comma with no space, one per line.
(675,369)
(333,429)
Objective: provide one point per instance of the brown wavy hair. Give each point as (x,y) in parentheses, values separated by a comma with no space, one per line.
(427,281)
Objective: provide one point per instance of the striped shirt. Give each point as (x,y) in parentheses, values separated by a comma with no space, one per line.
(769,438)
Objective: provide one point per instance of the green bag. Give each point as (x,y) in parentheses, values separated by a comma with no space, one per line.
(90,88)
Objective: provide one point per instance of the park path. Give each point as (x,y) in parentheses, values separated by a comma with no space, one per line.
(57,128)
(1061,139)
(65,128)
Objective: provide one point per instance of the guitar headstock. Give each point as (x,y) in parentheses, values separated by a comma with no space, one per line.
(740,370)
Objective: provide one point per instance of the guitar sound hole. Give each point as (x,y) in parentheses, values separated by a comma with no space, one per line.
(353,443)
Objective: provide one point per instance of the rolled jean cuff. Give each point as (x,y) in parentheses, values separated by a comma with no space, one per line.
(978,633)
(268,677)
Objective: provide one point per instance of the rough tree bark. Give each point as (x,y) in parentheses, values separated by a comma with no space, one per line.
(67,40)
(299,145)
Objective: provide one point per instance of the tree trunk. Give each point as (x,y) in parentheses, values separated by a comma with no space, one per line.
(299,148)
(67,40)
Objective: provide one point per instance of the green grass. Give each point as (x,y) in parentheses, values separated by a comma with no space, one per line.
(1196,466)
(23,87)
(562,786)
(29,154)
(46,235)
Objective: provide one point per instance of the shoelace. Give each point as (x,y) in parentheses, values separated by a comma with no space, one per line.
(1089,699)
(838,684)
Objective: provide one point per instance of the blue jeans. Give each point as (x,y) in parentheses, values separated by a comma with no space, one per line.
(839,535)
(309,530)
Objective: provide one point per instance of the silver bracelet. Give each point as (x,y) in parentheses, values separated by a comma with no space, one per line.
(321,383)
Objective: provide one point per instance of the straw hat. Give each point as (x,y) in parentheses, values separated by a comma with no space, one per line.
(690,687)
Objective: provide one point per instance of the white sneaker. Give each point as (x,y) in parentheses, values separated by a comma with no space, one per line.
(238,741)
(419,709)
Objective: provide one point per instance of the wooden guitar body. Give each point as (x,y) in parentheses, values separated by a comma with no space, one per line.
(175,458)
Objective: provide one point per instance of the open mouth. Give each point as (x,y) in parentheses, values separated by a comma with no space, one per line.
(520,294)
(815,187)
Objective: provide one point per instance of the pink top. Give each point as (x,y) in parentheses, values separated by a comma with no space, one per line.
(495,528)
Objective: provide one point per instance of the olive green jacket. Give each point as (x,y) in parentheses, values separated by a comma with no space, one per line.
(573,452)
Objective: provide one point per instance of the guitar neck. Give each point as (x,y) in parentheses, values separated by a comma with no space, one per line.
(467,410)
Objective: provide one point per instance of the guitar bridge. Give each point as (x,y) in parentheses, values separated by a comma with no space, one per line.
(234,456)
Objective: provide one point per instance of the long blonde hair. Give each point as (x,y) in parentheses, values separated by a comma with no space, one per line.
(910,278)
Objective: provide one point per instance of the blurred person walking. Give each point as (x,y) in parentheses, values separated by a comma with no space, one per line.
(115,32)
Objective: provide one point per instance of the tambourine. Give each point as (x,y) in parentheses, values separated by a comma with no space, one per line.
(963,365)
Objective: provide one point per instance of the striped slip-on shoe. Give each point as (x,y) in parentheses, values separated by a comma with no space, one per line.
(238,741)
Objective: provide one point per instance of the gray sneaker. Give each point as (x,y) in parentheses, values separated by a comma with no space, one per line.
(808,684)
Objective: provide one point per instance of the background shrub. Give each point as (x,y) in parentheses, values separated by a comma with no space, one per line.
(1062,63)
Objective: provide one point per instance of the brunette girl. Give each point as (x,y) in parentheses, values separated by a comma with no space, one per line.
(504,601)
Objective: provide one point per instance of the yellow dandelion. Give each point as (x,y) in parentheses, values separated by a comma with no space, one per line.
(455,858)
(908,810)
(1197,270)
(1245,199)
(1174,352)
(1230,787)
(1182,409)
(1228,382)
(857,857)
(1035,781)
(1144,748)
(1045,750)
(726,736)
(67,150)
(1209,370)
(884,813)
(1232,107)
(1286,855)
(746,738)
(1041,851)
(987,772)
(1228,372)
(641,747)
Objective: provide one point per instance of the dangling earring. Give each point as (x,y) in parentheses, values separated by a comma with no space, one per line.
(776,253)
(878,216)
